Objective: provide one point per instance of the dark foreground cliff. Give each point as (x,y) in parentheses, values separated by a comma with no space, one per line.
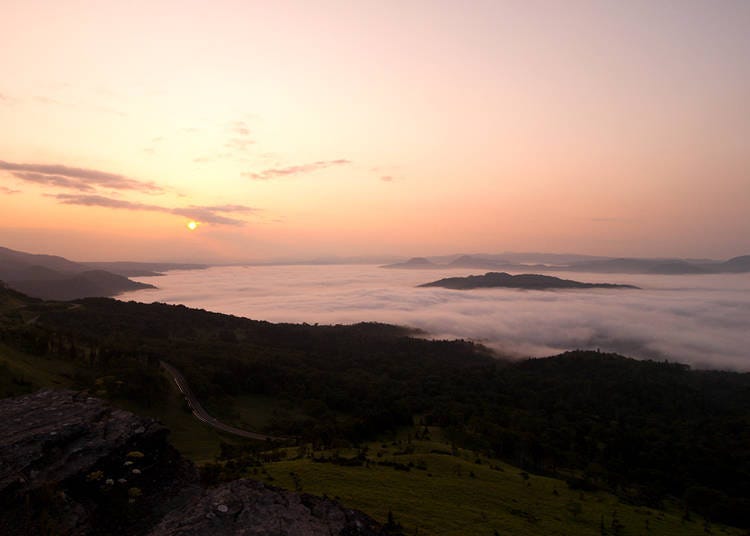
(71,464)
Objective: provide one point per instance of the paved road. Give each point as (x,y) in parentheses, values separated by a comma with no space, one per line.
(202,415)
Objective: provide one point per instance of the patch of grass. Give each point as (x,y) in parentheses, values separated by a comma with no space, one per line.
(21,373)
(455,495)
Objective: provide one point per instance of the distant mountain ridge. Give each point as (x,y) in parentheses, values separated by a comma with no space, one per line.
(540,262)
(737,264)
(414,262)
(56,278)
(523,281)
(142,269)
(471,261)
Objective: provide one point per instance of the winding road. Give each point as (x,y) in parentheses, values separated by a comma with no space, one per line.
(202,415)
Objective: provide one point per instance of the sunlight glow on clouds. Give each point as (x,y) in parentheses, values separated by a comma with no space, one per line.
(203,214)
(75,178)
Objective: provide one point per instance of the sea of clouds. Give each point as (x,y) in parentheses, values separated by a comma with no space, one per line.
(703,320)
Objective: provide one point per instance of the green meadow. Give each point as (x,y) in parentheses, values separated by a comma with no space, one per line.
(460,493)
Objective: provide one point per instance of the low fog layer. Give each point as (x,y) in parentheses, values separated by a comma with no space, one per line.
(703,320)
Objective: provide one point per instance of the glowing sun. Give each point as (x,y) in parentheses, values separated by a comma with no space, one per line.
(192,225)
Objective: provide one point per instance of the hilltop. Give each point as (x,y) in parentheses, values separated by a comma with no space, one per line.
(523,281)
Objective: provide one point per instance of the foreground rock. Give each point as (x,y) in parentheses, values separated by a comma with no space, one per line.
(71,464)
(250,507)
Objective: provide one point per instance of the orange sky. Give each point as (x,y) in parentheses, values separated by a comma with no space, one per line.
(292,129)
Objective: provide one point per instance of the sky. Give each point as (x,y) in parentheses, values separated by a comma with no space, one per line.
(295,129)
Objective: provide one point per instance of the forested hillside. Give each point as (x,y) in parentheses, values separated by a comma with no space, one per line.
(645,430)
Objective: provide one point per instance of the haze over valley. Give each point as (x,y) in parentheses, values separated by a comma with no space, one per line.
(703,320)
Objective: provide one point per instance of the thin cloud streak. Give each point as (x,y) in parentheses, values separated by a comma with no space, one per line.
(239,144)
(52,180)
(84,178)
(274,173)
(229,208)
(101,201)
(9,191)
(207,214)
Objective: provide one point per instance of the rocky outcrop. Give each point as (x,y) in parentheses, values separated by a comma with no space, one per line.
(246,507)
(71,464)
(52,436)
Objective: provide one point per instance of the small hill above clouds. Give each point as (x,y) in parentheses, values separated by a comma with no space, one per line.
(56,278)
(523,281)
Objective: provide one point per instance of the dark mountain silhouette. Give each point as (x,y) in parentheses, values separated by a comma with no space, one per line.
(523,281)
(56,278)
(16,264)
(94,283)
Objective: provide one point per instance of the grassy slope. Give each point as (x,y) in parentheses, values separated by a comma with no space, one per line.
(34,372)
(445,499)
